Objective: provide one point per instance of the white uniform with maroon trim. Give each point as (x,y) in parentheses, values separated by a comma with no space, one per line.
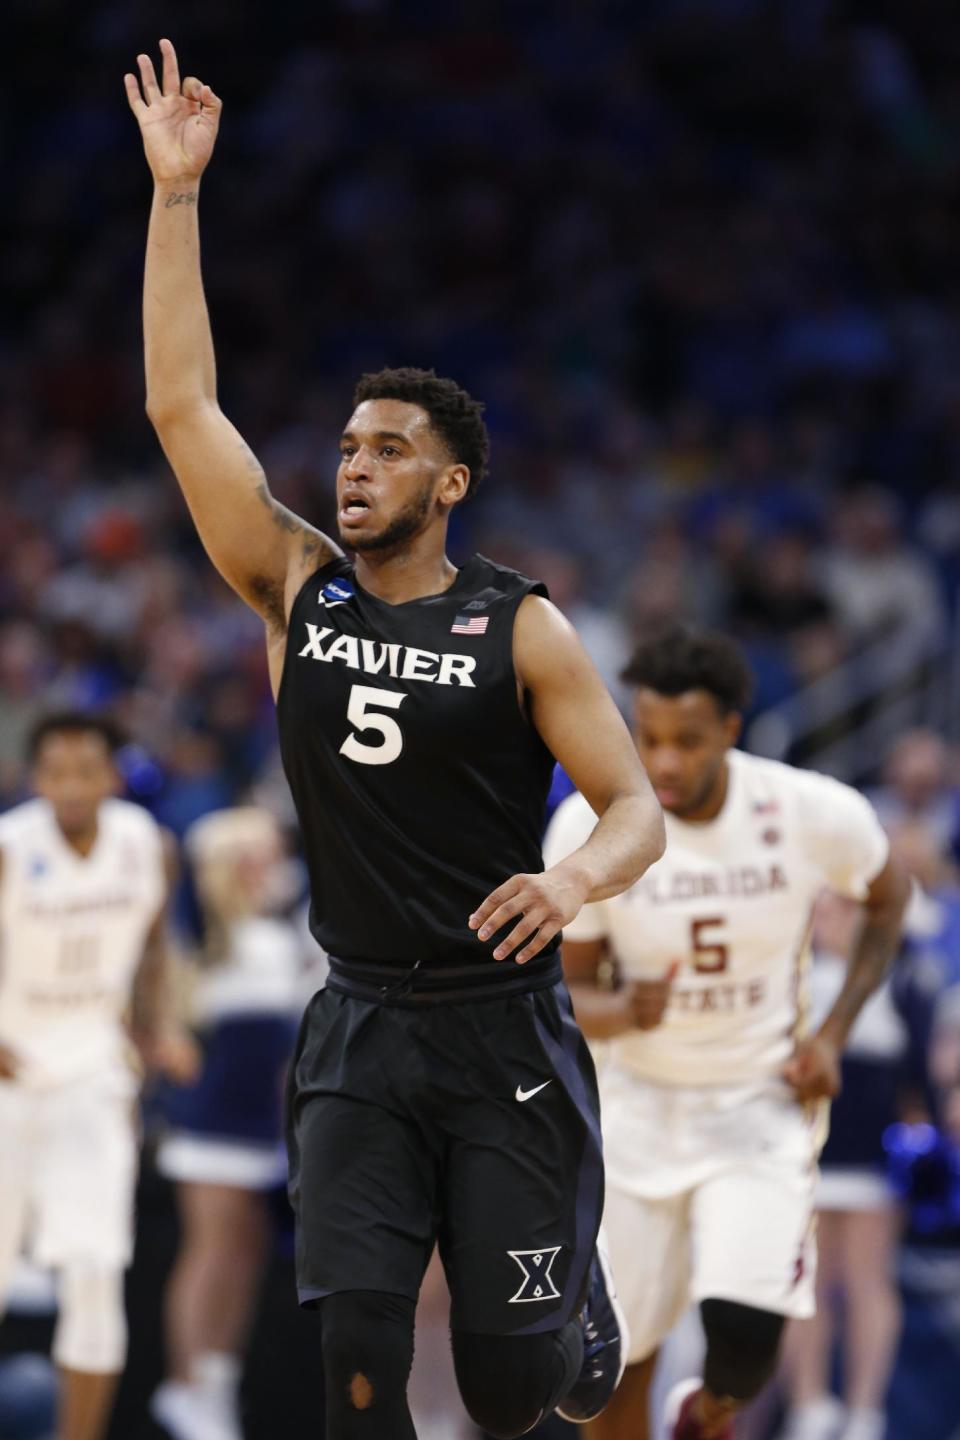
(72,933)
(711,1164)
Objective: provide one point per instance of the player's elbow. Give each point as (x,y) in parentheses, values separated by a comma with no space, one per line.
(650,838)
(660,844)
(166,411)
(161,409)
(655,830)
(642,820)
(161,414)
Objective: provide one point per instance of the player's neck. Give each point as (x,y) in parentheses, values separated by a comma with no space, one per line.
(82,841)
(417,570)
(714,802)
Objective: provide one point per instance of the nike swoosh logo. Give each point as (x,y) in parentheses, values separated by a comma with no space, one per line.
(522,1095)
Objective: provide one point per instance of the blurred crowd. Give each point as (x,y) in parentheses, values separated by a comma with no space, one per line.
(699,259)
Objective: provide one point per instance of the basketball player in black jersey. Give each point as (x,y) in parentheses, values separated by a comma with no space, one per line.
(441,1090)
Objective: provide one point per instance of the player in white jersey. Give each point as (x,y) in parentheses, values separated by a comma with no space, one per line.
(83,885)
(709,1088)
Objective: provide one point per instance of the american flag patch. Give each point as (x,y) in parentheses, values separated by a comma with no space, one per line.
(470,625)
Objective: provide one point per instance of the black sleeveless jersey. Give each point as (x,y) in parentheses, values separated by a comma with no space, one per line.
(420,784)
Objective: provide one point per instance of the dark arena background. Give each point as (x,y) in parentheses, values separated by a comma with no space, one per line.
(701,258)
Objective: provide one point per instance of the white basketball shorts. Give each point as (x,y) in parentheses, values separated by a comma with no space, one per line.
(710,1195)
(68,1158)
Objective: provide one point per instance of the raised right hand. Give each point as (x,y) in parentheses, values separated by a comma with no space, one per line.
(179,124)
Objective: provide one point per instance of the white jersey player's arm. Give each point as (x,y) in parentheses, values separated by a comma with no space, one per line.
(814,1070)
(8,1058)
(603,1014)
(874,951)
(846,842)
(163,1042)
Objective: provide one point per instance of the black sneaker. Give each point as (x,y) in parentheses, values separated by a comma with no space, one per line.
(604,1347)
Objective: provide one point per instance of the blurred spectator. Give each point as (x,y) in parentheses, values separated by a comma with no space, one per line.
(924,1400)
(919,788)
(23,669)
(105,589)
(857,1219)
(778,594)
(932,927)
(224,1149)
(880,587)
(605,637)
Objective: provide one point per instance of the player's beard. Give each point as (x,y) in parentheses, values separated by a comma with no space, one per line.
(407,523)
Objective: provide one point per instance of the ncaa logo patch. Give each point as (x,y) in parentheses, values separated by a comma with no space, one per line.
(537,1282)
(335,592)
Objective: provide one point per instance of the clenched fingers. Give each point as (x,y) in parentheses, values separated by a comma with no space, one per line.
(648,1003)
(811,1078)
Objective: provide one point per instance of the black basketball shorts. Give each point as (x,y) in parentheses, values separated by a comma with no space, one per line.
(473,1124)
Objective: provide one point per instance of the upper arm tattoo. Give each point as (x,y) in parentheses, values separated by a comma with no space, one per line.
(313,546)
(312,543)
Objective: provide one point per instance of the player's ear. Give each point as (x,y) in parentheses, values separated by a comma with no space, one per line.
(454,485)
(732,727)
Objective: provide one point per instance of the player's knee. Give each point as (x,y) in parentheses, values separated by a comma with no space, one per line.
(504,1380)
(367,1341)
(742,1346)
(91,1333)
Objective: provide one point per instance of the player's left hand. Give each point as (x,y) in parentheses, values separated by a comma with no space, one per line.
(814,1069)
(173,1052)
(544,903)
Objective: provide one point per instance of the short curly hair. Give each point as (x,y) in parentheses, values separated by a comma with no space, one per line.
(679,657)
(73,722)
(455,415)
